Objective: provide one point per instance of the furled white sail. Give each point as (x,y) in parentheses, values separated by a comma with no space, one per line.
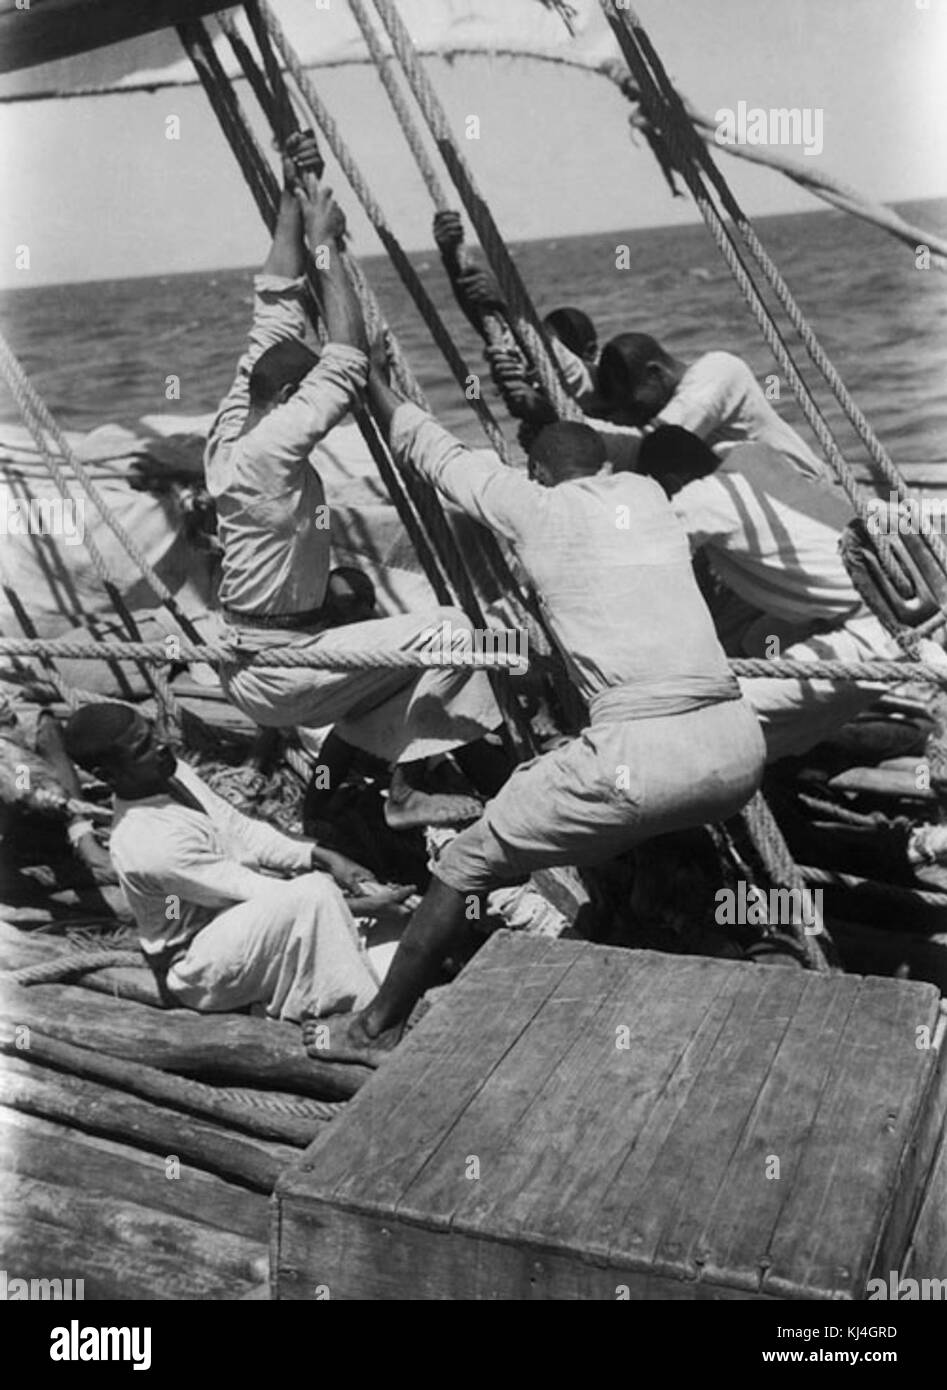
(325,33)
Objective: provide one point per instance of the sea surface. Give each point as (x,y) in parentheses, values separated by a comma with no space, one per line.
(101,351)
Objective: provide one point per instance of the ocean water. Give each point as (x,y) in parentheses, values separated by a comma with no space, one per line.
(101,351)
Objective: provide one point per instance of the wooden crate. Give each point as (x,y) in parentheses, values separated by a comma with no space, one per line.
(573,1121)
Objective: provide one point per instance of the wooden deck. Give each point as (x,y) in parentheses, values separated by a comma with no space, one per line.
(572,1121)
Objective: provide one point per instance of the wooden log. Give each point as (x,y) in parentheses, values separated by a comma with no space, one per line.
(95,1108)
(231,1048)
(191,1097)
(112,1224)
(40,1148)
(37,1250)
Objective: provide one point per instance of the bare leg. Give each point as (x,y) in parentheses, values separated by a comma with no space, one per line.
(435,929)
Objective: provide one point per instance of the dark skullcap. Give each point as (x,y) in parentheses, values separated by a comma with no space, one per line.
(91,733)
(573,327)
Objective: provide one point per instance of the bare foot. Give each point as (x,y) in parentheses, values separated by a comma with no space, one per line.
(417,808)
(342,1038)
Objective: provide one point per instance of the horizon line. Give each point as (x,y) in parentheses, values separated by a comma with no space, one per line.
(13,288)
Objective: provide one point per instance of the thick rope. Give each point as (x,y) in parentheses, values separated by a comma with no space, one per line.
(174,650)
(782,870)
(681,149)
(887,672)
(525,320)
(302,1107)
(302,656)
(73,963)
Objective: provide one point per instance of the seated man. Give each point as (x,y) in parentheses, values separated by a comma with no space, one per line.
(772,538)
(717,397)
(671,743)
(273,527)
(218,933)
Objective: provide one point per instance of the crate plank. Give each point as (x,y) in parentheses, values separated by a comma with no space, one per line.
(846,1175)
(434,1075)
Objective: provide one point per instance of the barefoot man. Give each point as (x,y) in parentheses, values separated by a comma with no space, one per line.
(671,743)
(262,463)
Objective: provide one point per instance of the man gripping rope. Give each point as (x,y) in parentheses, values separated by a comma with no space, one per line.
(671,743)
(262,467)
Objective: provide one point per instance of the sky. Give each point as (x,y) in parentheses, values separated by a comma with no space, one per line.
(95,190)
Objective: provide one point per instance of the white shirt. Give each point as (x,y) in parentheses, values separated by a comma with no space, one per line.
(720,400)
(609,564)
(772,536)
(178,867)
(271,506)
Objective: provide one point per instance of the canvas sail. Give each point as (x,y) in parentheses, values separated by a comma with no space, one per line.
(324,34)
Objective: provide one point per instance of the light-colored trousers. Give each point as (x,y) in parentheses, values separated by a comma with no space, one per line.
(399,715)
(294,951)
(612,788)
(796,715)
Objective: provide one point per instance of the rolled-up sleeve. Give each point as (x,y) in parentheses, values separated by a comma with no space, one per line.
(473,480)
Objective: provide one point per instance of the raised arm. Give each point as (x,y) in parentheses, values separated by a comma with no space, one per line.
(278,312)
(279,438)
(325,231)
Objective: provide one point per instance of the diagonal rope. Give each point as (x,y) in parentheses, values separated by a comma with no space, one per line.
(525,320)
(683,142)
(683,122)
(39,422)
